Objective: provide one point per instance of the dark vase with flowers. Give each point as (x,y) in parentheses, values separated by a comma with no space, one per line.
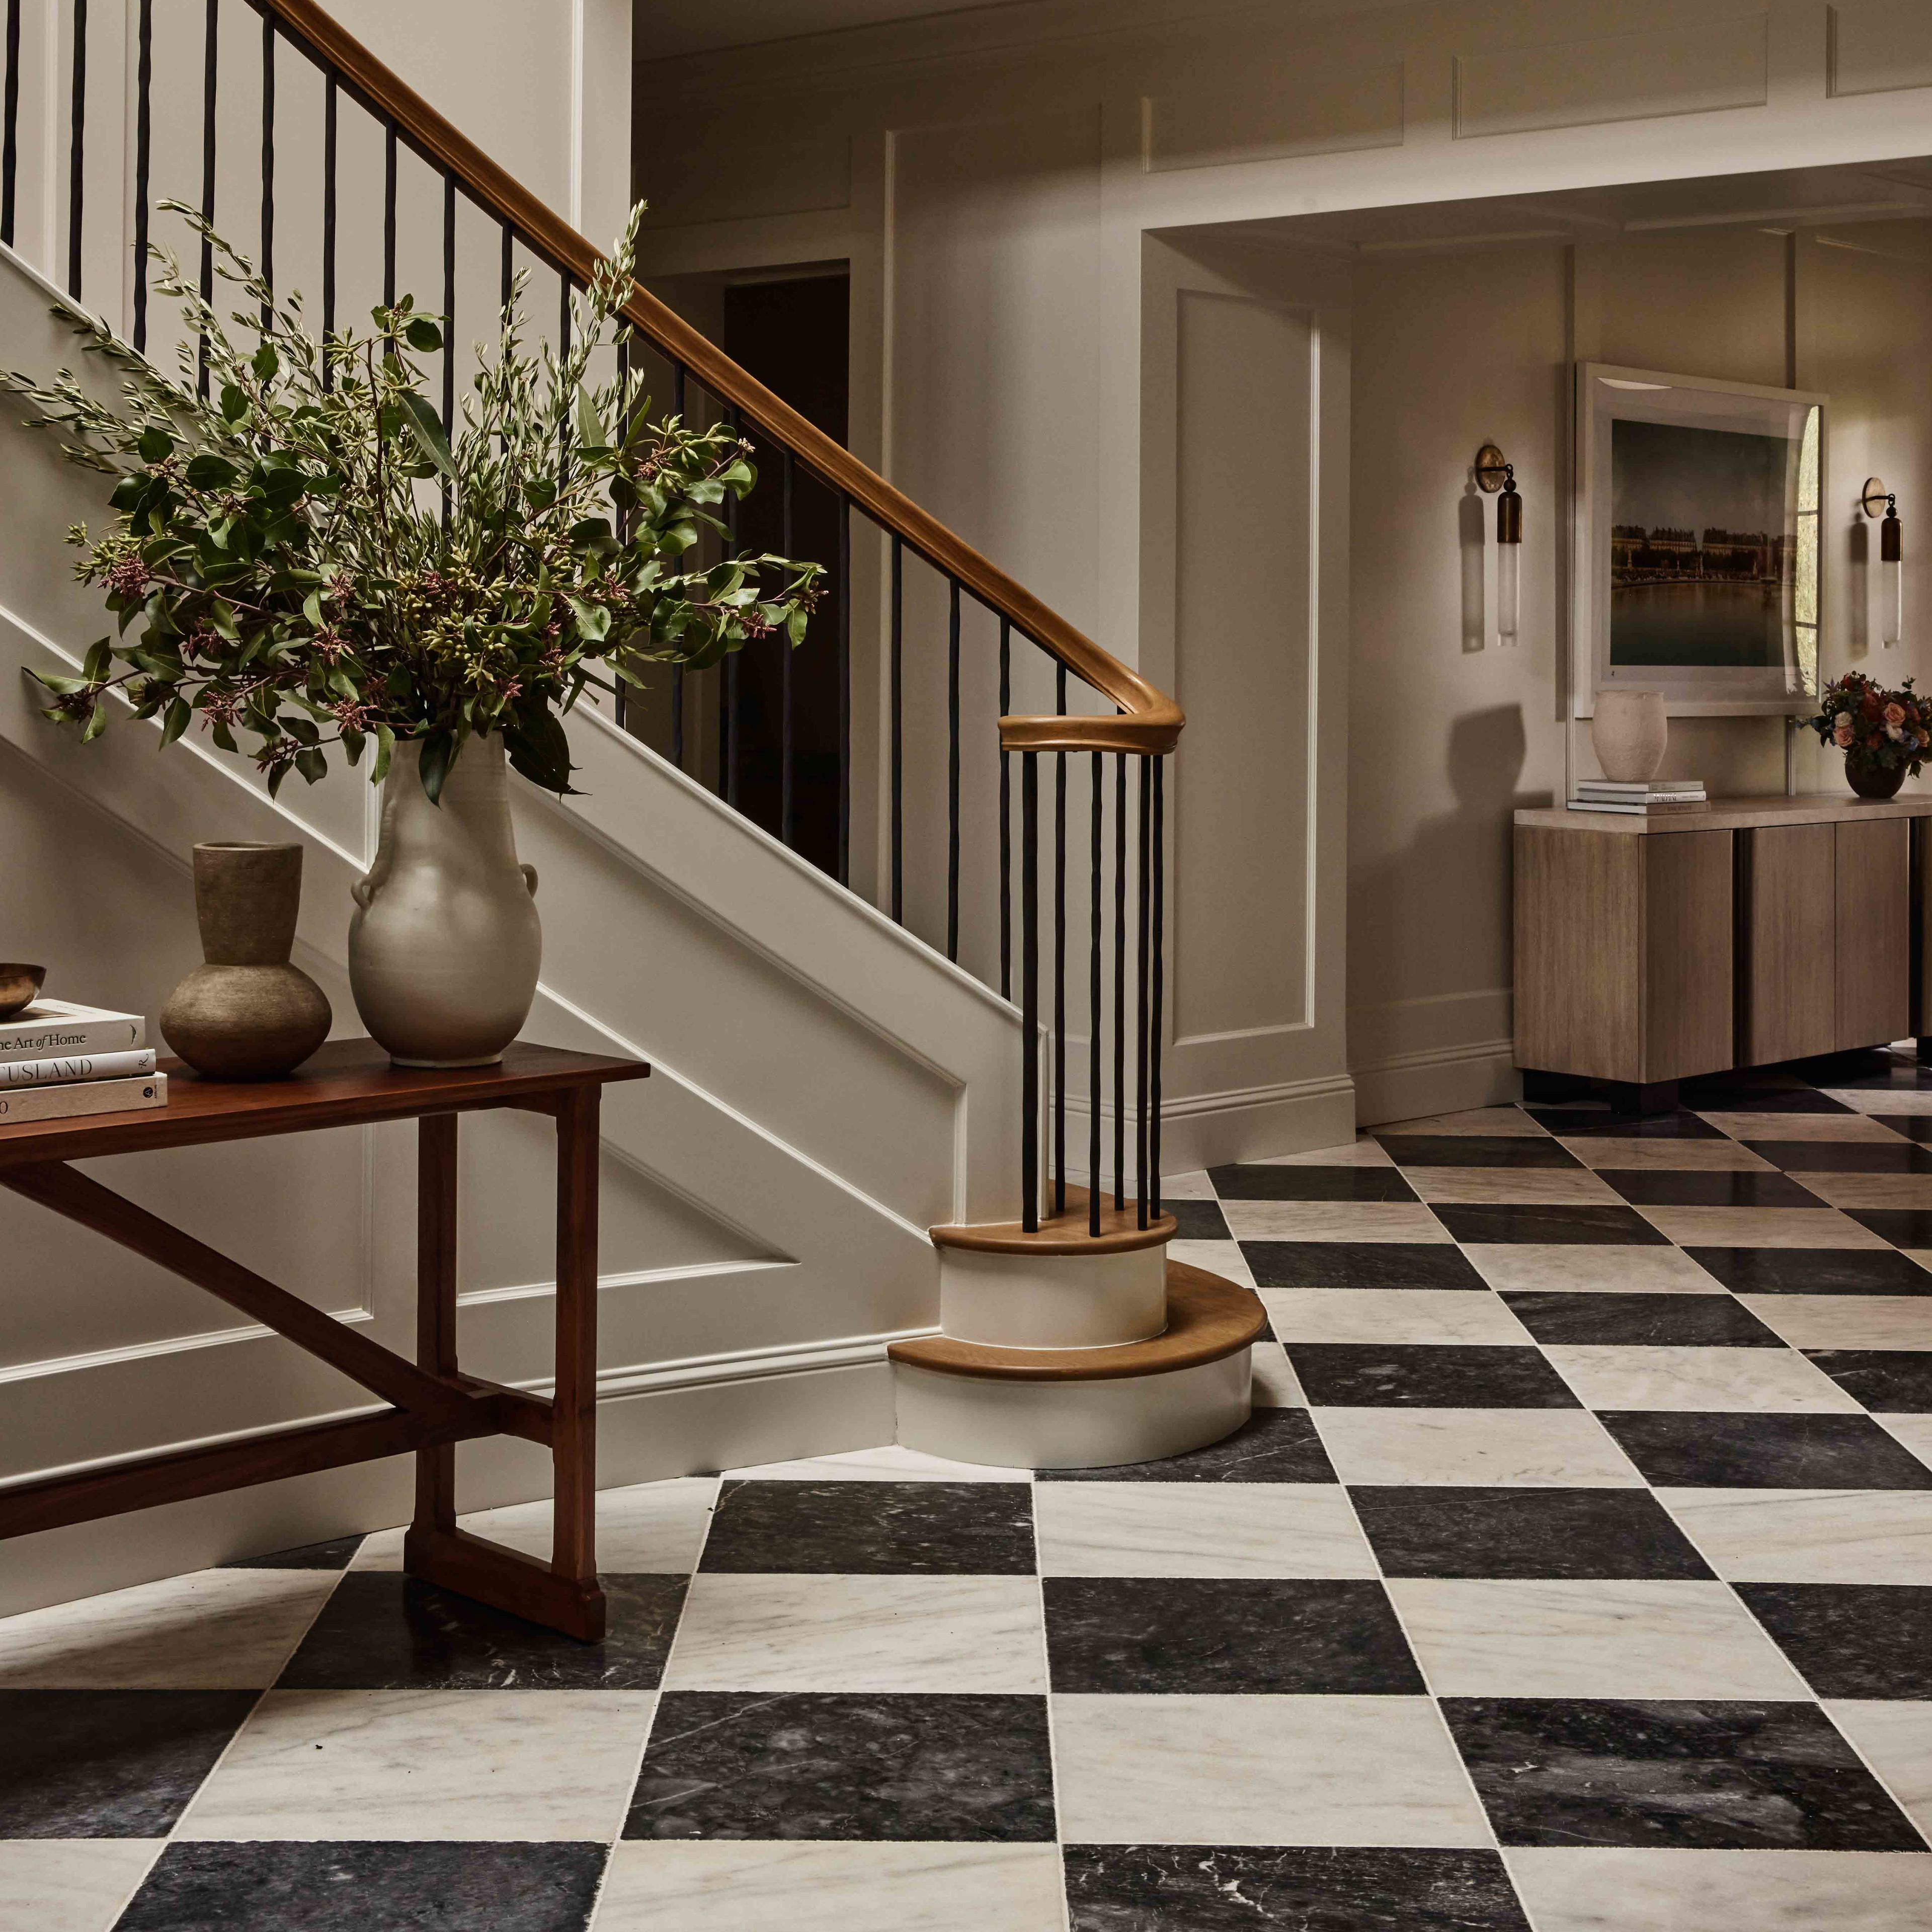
(1870,779)
(1884,734)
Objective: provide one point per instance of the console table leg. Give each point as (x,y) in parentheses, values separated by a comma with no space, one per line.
(436,1303)
(574,1424)
(1925,1049)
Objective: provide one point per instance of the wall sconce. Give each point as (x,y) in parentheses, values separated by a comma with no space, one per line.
(1890,559)
(1493,474)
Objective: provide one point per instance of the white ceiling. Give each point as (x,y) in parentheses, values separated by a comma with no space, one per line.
(662,29)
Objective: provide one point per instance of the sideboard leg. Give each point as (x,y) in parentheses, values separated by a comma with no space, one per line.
(574,1418)
(1925,1049)
(436,1303)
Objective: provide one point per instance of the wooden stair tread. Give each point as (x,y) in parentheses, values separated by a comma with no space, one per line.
(1207,1317)
(1120,1232)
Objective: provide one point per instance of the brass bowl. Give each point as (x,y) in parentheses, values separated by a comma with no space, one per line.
(20,986)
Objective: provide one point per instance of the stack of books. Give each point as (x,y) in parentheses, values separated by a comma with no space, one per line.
(57,1061)
(1651,798)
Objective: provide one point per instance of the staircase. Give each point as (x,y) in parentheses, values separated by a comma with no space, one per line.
(1065,1336)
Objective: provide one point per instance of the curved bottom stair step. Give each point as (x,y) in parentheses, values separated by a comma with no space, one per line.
(1062,1409)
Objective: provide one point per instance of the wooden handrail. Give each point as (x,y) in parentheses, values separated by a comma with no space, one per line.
(1150,722)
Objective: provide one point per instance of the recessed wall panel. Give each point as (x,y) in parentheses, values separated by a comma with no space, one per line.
(1273,116)
(1879,46)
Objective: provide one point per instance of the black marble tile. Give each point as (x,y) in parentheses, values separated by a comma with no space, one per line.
(273,1886)
(966,1529)
(1888,1381)
(1813,1270)
(1708,1774)
(1851,1639)
(1645,1321)
(1294,1888)
(1197,1220)
(1573,1124)
(1691,1187)
(1476,1150)
(1525,1221)
(1361,1374)
(1870,1073)
(734,1765)
(334,1555)
(1799,1156)
(1363,1264)
(109,1764)
(1275,1445)
(1310,1183)
(1682,1449)
(1903,1227)
(381,1630)
(1426,1531)
(1237,1636)
(1714,1097)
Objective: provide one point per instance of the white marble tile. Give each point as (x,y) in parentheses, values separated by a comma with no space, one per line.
(1361,1152)
(1760,1380)
(1761,1227)
(1666,1153)
(214,1630)
(1594,1888)
(1507,1119)
(395,1765)
(1867,1190)
(1275,1385)
(1882,1099)
(889,1464)
(1568,1638)
(1800,1127)
(859,1632)
(1548,1186)
(1186,1187)
(1260,1770)
(1377,1315)
(1199,1529)
(1332,1221)
(1809,1536)
(1914,1431)
(650,1527)
(1895,1739)
(1222,1257)
(1586,1268)
(1847,1321)
(70,1885)
(1530,1448)
(744,1885)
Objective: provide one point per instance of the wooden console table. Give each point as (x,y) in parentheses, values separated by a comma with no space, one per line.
(1649,950)
(434,1404)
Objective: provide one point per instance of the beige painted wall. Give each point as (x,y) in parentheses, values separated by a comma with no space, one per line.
(1445,738)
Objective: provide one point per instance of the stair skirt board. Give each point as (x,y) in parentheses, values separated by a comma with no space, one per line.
(1052,1301)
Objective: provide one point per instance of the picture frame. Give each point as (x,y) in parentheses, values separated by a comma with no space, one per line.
(1699,541)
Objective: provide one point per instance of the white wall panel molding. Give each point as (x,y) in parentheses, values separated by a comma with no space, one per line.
(1272,115)
(1441,1080)
(1877,47)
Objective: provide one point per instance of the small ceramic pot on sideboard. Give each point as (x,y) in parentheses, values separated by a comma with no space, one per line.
(1630,731)
(444,945)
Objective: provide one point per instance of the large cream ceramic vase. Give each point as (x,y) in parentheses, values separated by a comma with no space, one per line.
(444,945)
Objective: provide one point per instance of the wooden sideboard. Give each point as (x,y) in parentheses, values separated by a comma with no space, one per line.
(1649,950)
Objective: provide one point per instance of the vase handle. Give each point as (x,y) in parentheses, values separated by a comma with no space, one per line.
(529,873)
(363,890)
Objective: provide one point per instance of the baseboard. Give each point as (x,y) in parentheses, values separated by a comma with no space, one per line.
(1438,1080)
(1201,1130)
(672,1419)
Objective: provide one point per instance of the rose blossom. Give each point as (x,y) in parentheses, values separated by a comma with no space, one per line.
(1894,714)
(1842,737)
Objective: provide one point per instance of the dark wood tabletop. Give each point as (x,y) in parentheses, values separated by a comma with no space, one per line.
(347,1083)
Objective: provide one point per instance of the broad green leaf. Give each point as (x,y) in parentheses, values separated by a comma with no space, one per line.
(423,334)
(100,661)
(438,753)
(155,445)
(426,427)
(176,721)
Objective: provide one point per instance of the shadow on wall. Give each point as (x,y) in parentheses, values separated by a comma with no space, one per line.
(1474,548)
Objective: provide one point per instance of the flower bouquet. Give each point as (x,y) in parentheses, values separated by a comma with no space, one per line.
(1882,733)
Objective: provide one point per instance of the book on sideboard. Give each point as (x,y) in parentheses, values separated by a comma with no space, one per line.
(82,1096)
(1642,808)
(1639,787)
(51,1029)
(70,1069)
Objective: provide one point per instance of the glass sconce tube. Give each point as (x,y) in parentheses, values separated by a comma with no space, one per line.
(1509,559)
(1892,576)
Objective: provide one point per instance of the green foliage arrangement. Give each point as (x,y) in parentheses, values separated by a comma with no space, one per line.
(304,557)
(1872,725)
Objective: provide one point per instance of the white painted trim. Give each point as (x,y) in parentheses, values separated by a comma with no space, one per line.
(1436,1080)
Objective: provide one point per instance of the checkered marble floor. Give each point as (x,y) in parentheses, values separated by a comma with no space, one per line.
(1575,1575)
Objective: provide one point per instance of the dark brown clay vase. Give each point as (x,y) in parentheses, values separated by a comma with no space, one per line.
(246,1014)
(1871,780)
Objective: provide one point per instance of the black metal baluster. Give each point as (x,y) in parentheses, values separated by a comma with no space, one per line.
(10,137)
(449,327)
(509,283)
(898,754)
(144,130)
(76,153)
(1060,957)
(1142,1034)
(677,670)
(730,720)
(1093,1189)
(209,75)
(785,480)
(563,340)
(1006,818)
(844,691)
(1159,958)
(389,214)
(952,775)
(1120,978)
(268,262)
(1030,991)
(328,111)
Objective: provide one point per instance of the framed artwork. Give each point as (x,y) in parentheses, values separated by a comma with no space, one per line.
(1697,540)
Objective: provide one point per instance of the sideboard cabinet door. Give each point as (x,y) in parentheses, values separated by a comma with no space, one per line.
(1872,906)
(1788,915)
